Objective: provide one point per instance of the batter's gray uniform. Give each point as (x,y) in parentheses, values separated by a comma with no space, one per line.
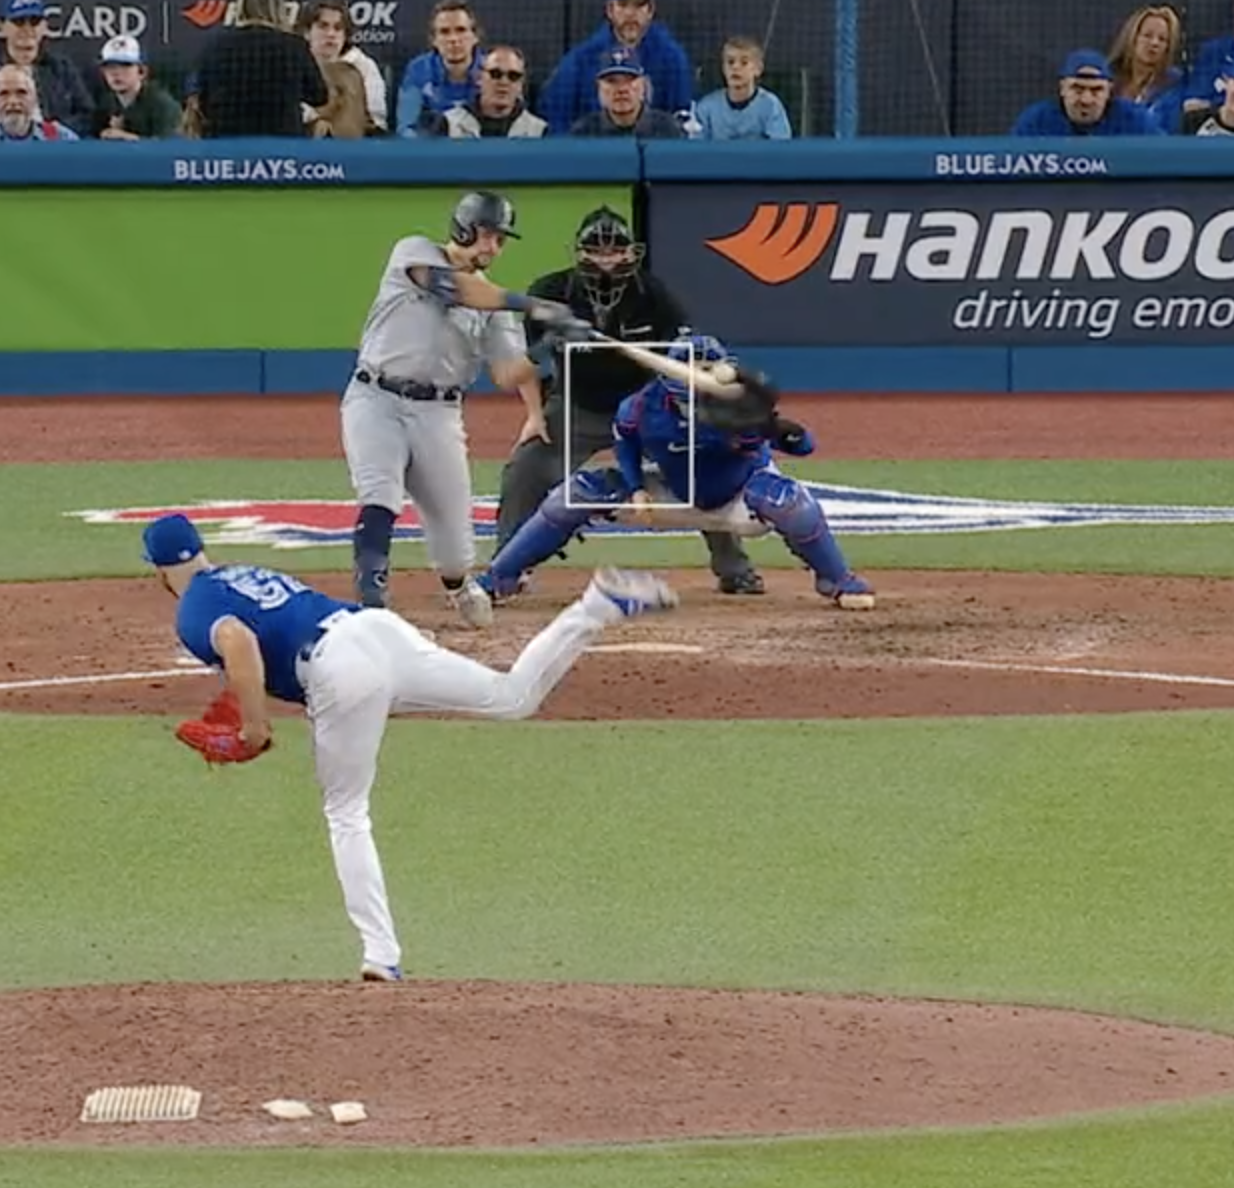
(402,412)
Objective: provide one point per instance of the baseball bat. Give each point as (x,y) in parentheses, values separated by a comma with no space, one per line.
(718,383)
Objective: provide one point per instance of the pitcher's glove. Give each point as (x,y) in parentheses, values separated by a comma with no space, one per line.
(751,408)
(216,735)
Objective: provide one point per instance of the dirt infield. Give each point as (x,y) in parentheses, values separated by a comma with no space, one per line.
(495,1064)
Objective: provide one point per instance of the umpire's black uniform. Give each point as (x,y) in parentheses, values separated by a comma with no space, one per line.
(627,303)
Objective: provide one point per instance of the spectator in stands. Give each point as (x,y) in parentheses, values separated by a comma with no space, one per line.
(327,26)
(498,109)
(19,107)
(630,25)
(1220,122)
(344,116)
(1144,62)
(1086,105)
(741,109)
(444,77)
(132,107)
(254,78)
(62,95)
(621,84)
(1206,85)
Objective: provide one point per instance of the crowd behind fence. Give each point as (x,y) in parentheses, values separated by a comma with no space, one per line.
(704,69)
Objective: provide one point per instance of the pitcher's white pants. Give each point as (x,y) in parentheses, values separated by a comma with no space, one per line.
(374,663)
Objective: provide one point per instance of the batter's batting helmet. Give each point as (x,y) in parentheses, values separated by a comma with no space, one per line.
(481,209)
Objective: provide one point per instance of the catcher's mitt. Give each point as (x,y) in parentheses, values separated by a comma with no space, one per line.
(751,409)
(216,735)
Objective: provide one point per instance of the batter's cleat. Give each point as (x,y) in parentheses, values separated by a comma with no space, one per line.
(473,603)
(748,582)
(851,593)
(633,592)
(370,971)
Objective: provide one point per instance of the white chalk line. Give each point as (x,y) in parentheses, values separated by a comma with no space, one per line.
(100,678)
(1109,674)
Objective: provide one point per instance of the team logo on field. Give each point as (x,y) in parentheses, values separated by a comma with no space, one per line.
(852,511)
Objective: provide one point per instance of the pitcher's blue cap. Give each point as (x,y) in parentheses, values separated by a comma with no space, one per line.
(1086,63)
(171,540)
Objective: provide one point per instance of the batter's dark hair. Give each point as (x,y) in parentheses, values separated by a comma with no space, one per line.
(307,17)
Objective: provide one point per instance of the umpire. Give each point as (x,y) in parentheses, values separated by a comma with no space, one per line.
(609,287)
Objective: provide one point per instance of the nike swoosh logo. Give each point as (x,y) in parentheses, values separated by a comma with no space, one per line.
(676,447)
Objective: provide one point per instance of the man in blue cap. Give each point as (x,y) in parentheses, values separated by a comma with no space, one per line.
(62,95)
(1086,105)
(621,86)
(351,667)
(570,91)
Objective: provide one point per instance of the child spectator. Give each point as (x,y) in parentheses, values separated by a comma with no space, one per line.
(444,77)
(326,26)
(630,25)
(1144,62)
(1221,121)
(132,107)
(498,110)
(62,95)
(19,105)
(1086,105)
(621,85)
(741,109)
(254,79)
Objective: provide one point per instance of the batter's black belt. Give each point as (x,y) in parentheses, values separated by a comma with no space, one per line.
(410,389)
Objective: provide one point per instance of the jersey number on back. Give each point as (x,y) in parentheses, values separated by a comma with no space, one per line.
(263,586)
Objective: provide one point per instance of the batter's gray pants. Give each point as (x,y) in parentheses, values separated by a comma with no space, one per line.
(536,467)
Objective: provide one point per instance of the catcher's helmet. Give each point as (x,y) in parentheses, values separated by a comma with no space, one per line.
(706,351)
(481,209)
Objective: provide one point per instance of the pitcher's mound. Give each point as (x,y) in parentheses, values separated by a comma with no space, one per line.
(495,1064)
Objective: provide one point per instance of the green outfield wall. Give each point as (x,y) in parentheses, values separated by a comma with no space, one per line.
(143,270)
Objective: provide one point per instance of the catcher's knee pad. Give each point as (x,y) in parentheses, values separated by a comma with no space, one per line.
(586,489)
(785,504)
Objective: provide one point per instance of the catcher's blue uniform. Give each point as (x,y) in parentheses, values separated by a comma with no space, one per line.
(652,426)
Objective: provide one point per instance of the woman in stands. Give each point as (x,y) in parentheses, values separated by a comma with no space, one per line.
(1144,60)
(254,79)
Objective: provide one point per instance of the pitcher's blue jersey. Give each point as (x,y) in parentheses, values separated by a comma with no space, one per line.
(281,611)
(650,424)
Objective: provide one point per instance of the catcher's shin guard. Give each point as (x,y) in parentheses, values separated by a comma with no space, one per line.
(551,526)
(796,515)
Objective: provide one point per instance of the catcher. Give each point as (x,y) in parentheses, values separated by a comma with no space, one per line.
(351,667)
(737,487)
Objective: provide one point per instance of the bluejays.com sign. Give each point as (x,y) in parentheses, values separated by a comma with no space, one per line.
(922,264)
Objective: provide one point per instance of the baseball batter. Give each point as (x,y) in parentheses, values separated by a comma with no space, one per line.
(435,322)
(737,487)
(351,667)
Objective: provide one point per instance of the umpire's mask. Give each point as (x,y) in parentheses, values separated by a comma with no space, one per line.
(606,256)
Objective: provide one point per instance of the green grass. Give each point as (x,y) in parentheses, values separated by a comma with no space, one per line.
(38,542)
(1181,1147)
(1069,861)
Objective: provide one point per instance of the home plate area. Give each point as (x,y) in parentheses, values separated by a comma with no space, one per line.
(938,644)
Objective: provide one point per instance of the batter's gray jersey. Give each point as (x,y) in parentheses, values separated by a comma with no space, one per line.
(412,335)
